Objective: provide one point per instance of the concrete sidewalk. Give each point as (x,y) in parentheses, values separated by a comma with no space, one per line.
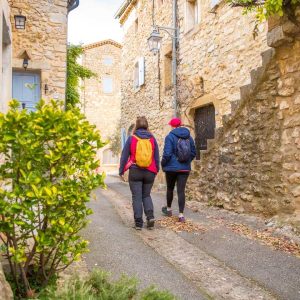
(274,271)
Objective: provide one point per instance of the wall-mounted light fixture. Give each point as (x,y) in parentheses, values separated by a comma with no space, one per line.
(25,63)
(155,41)
(20,21)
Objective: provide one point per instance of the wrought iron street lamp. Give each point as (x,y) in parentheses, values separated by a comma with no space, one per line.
(20,21)
(154,41)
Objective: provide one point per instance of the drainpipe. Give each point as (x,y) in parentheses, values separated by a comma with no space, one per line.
(174,58)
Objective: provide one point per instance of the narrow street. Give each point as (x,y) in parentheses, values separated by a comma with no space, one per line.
(217,263)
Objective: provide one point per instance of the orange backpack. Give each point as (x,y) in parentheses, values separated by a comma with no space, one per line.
(144,152)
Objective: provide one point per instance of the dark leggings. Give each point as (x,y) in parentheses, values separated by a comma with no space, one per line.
(181,179)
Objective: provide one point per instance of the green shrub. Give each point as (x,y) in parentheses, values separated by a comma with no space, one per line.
(49,171)
(98,286)
(153,294)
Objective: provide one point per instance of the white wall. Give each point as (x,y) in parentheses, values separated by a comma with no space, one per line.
(5,56)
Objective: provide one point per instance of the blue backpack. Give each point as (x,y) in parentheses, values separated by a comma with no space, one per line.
(183,150)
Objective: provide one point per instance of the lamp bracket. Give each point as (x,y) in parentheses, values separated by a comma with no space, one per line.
(171,31)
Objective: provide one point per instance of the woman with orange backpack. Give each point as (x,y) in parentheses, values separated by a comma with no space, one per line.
(141,156)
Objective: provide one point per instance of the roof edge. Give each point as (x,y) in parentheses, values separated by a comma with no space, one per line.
(124,10)
(102,43)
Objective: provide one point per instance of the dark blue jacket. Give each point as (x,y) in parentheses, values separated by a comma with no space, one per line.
(143,134)
(169,160)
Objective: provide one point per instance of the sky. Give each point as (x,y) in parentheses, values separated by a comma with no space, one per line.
(94,21)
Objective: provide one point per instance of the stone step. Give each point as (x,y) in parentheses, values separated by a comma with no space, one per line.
(256,76)
(267,56)
(246,91)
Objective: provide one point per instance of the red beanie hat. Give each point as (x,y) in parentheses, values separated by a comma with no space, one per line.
(175,122)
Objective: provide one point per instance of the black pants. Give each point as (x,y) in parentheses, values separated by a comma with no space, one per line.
(181,179)
(141,182)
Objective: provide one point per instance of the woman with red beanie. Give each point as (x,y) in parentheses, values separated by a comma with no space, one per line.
(179,151)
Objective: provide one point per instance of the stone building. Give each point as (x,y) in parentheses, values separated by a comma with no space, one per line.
(5,95)
(101,95)
(221,67)
(39,49)
(5,55)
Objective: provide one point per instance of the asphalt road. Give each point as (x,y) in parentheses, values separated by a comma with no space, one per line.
(116,248)
(274,270)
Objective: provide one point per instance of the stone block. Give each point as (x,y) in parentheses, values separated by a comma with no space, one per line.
(276,37)
(290,28)
(296,191)
(295,178)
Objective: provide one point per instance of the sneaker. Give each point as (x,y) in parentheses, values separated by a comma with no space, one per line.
(181,219)
(150,223)
(138,228)
(166,212)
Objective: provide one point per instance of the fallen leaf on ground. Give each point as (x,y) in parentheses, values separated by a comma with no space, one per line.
(173,224)
(279,243)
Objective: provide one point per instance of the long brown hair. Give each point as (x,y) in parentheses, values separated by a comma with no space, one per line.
(141,123)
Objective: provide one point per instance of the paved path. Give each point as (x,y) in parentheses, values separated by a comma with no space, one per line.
(116,248)
(218,263)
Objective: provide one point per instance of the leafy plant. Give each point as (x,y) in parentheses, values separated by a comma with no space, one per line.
(267,8)
(75,72)
(98,286)
(48,170)
(115,142)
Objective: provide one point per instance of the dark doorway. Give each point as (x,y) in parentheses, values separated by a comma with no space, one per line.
(205,125)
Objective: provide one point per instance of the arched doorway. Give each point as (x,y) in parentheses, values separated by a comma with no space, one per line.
(205,125)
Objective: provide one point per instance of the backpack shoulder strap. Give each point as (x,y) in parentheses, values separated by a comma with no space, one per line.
(136,137)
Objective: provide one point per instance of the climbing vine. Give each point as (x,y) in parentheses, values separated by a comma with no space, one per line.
(75,72)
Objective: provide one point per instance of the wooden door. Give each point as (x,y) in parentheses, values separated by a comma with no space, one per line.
(205,125)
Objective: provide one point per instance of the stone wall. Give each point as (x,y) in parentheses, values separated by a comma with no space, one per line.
(5,55)
(253,165)
(215,58)
(44,40)
(101,108)
(149,99)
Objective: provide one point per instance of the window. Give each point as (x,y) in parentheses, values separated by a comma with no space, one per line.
(139,73)
(107,83)
(167,74)
(108,60)
(192,16)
